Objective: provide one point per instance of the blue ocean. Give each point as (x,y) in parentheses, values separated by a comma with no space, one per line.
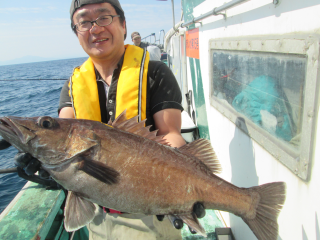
(23,97)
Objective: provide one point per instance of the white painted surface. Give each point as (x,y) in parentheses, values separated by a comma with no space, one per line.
(245,163)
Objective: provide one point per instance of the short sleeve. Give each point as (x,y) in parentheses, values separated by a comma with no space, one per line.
(65,99)
(164,89)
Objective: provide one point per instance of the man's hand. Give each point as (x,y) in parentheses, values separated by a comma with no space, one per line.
(4,144)
(28,166)
(198,210)
(25,161)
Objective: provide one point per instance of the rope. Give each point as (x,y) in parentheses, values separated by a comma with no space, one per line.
(8,170)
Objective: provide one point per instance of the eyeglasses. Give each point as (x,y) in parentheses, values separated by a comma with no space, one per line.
(100,21)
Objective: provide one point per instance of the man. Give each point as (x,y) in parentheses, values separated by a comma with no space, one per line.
(136,39)
(105,46)
(108,83)
(154,51)
(108,76)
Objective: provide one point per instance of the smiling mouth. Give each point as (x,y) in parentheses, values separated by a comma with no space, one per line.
(101,40)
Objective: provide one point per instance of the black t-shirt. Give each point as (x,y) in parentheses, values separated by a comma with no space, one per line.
(163,92)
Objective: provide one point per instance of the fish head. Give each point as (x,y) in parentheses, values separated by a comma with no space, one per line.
(51,140)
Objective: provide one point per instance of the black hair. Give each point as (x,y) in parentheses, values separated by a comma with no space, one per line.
(119,12)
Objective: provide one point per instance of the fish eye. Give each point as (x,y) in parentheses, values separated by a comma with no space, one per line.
(46,122)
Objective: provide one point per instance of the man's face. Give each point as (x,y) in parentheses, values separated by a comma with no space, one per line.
(136,41)
(102,43)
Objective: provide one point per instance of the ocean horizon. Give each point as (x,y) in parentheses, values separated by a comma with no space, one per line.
(33,59)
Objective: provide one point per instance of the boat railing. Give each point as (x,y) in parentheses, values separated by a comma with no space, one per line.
(149,36)
(215,11)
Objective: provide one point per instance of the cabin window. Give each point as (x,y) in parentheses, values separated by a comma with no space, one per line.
(267,88)
(268,91)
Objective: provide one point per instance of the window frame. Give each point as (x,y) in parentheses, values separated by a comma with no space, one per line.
(299,162)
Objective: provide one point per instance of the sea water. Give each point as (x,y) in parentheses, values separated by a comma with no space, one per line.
(20,96)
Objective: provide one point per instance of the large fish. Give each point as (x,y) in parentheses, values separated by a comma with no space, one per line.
(126,167)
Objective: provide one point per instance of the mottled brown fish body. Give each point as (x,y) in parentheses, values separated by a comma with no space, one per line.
(155,179)
(127,168)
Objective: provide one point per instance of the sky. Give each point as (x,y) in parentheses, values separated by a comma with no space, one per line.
(42,28)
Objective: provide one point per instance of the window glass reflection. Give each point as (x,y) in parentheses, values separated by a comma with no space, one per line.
(267,88)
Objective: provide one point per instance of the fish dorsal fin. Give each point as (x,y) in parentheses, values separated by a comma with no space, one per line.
(78,212)
(133,126)
(201,149)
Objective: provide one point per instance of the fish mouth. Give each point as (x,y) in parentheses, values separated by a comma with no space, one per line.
(7,127)
(11,129)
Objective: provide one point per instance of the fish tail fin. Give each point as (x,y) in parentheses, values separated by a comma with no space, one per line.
(272,196)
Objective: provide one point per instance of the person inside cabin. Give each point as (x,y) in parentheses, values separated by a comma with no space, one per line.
(136,39)
(100,26)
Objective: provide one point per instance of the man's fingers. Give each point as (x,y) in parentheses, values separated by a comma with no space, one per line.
(192,231)
(175,221)
(43,174)
(22,159)
(199,210)
(160,217)
(178,223)
(4,144)
(32,167)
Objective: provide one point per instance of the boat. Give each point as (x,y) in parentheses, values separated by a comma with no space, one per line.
(249,75)
(249,71)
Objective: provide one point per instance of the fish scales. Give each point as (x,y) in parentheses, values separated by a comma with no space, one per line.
(138,186)
(127,168)
(136,182)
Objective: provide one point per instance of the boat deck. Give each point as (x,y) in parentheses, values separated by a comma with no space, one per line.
(37,213)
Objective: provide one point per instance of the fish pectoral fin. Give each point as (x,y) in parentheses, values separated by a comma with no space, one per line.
(78,212)
(99,170)
(192,221)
